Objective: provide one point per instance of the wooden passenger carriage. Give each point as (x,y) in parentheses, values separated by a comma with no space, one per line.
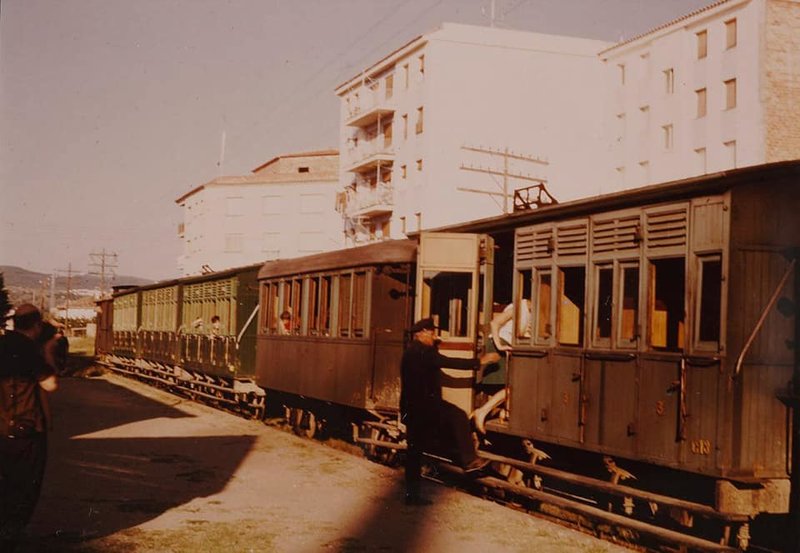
(663,329)
(349,312)
(164,332)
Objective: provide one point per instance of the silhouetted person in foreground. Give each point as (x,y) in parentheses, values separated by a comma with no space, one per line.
(25,377)
(426,414)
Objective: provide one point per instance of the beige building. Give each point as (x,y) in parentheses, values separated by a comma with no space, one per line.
(715,89)
(285,208)
(447,126)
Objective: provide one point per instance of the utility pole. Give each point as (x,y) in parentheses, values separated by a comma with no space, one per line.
(505,172)
(104,263)
(69,292)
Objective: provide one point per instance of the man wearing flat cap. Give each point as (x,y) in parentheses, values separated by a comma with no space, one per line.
(423,410)
(24,377)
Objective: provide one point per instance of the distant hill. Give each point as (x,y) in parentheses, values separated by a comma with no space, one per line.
(22,278)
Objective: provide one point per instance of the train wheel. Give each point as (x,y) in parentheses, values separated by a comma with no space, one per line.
(308,424)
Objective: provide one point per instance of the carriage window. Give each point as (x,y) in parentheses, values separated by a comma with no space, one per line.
(296,305)
(708,324)
(313,305)
(325,307)
(604,300)
(523,316)
(571,293)
(666,303)
(543,309)
(345,281)
(446,299)
(629,317)
(359,304)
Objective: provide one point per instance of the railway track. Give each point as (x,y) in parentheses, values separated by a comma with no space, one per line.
(606,509)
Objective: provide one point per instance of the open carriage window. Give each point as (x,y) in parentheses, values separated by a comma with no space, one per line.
(710,302)
(359,311)
(345,292)
(571,304)
(446,298)
(543,299)
(628,317)
(604,300)
(667,314)
(522,316)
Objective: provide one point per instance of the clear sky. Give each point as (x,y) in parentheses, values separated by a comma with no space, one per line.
(112,109)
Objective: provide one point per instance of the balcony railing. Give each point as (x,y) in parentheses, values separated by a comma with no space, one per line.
(369,200)
(368,153)
(369,105)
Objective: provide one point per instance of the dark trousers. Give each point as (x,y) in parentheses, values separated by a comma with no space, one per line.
(415,444)
(457,434)
(443,431)
(22,462)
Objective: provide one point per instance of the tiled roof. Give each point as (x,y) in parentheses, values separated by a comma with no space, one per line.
(667,24)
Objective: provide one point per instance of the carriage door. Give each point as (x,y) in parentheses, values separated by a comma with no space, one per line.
(450,289)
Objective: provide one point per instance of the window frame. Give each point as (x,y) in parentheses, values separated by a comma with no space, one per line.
(699,345)
(702,44)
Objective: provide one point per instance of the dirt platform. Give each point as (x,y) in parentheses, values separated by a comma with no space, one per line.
(135,469)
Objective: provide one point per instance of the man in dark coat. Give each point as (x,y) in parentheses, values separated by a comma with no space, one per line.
(24,377)
(423,410)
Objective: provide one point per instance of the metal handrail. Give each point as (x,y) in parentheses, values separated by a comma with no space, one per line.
(762,318)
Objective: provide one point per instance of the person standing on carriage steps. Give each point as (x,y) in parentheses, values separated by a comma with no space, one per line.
(425,413)
(24,378)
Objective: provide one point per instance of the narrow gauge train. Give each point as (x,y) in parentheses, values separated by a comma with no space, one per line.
(195,334)
(655,380)
(662,334)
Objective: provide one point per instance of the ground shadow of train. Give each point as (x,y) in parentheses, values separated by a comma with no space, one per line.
(112,484)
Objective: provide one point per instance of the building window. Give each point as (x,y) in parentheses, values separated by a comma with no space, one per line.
(701,102)
(669,80)
(272,205)
(311,242)
(405,75)
(667,129)
(418,215)
(405,126)
(420,123)
(702,44)
(233,243)
(304,169)
(419,165)
(700,157)
(730,150)
(403,224)
(730,94)
(312,203)
(422,65)
(270,245)
(730,34)
(403,171)
(389,86)
(234,206)
(644,168)
(621,71)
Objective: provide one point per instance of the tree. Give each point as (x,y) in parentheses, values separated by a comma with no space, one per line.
(5,305)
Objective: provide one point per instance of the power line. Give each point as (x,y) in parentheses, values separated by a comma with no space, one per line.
(104,263)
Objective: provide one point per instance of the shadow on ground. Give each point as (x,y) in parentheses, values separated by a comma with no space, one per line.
(95,487)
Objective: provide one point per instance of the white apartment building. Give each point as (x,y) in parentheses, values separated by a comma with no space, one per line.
(285,208)
(446,127)
(715,89)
